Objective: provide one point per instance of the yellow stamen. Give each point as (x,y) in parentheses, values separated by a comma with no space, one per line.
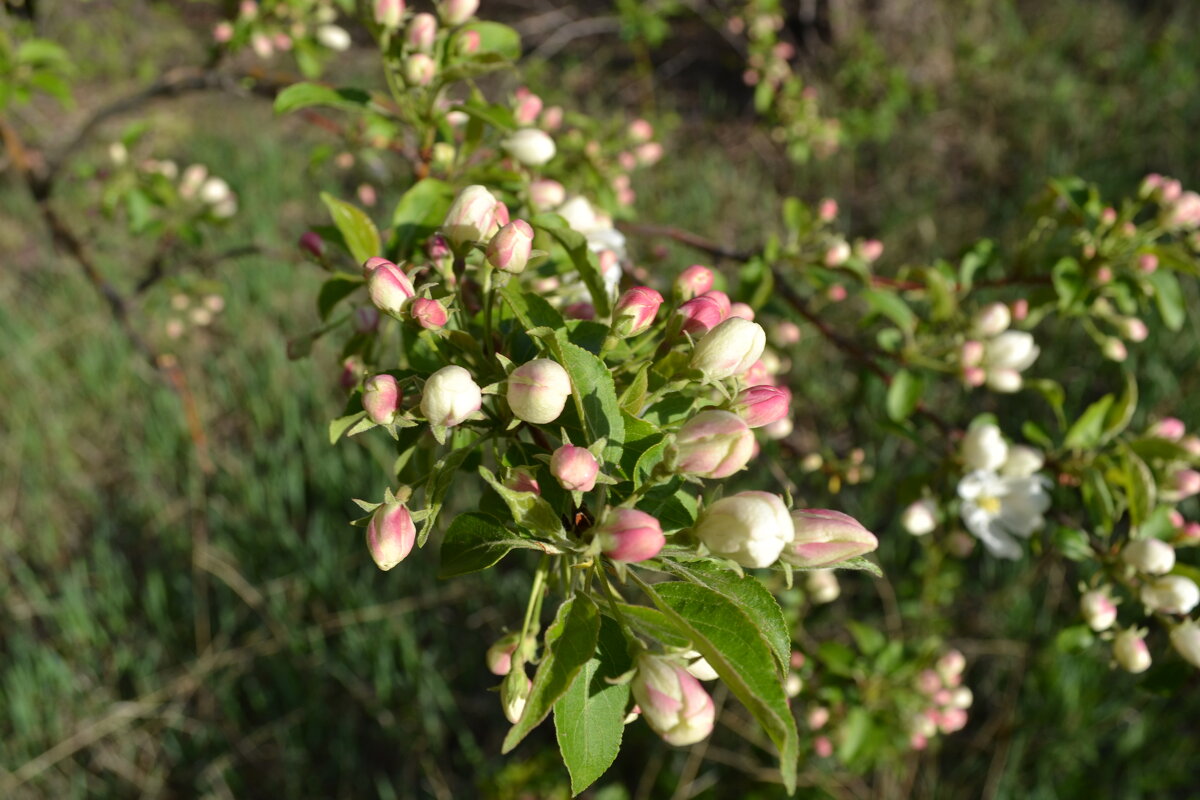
(989,504)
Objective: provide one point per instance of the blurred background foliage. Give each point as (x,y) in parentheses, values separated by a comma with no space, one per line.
(197,619)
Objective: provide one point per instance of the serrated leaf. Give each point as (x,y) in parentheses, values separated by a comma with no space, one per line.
(530,309)
(303,95)
(476,541)
(357,229)
(654,624)
(570,644)
(336,288)
(589,719)
(594,393)
(419,213)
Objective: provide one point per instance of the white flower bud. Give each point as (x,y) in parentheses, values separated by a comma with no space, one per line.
(992,320)
(1151,556)
(1185,639)
(1003,380)
(984,448)
(920,517)
(530,146)
(333,37)
(450,397)
(752,528)
(1022,462)
(538,391)
(1172,594)
(1130,651)
(729,349)
(1099,611)
(471,217)
(1011,350)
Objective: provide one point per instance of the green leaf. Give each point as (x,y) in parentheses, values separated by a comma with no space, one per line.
(861,564)
(594,392)
(1069,282)
(496,38)
(748,593)
(1140,489)
(717,628)
(585,262)
(869,640)
(890,305)
(528,509)
(475,542)
(1121,412)
(653,624)
(356,228)
(497,116)
(339,426)
(1087,431)
(1073,543)
(589,720)
(903,395)
(1168,296)
(441,478)
(1075,639)
(337,287)
(419,213)
(530,309)
(570,644)
(303,95)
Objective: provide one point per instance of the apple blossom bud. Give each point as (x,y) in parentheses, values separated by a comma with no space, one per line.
(976,376)
(817,717)
(673,702)
(920,517)
(971,353)
(575,468)
(381,399)
(450,397)
(761,405)
(509,250)
(471,216)
(1015,350)
(1130,650)
(437,248)
(827,209)
(649,153)
(752,528)
(918,742)
(552,118)
(1185,483)
(992,320)
(468,42)
(1133,329)
(538,391)
(499,218)
(333,37)
(824,537)
(513,696)
(700,315)
(699,667)
(1170,428)
(312,243)
(729,349)
(929,682)
(389,13)
(785,333)
(1020,309)
(390,289)
(962,697)
(822,586)
(635,311)
(984,448)
(499,655)
(640,130)
(1185,639)
(222,32)
(1151,556)
(546,194)
(693,282)
(950,666)
(419,69)
(712,444)
(1003,380)
(456,12)
(529,106)
(871,250)
(391,534)
(530,146)
(429,314)
(1171,594)
(742,311)
(261,44)
(837,254)
(1022,462)
(629,535)
(1147,263)
(951,720)
(421,32)
(1114,349)
(836,293)
(1191,444)
(1099,611)
(823,747)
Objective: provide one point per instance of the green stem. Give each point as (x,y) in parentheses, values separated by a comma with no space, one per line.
(535,598)
(609,595)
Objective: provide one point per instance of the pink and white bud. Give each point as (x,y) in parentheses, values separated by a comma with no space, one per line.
(836,293)
(641,131)
(468,42)
(700,315)
(629,535)
(761,405)
(693,282)
(785,333)
(723,301)
(260,43)
(248,10)
(1185,639)
(450,397)
(837,254)
(1191,444)
(729,349)
(1170,428)
(312,243)
(513,696)
(817,717)
(1114,349)
(998,379)
(1147,263)
(552,118)
(1151,556)
(1133,329)
(521,480)
(1099,611)
(456,12)
(712,444)
(827,210)
(1185,483)
(824,538)
(509,250)
(758,375)
(499,219)
(471,217)
(992,320)
(951,720)
(1015,350)
(635,311)
(531,147)
(538,391)
(436,248)
(742,311)
(950,665)
(529,106)
(429,314)
(381,399)
(389,13)
(499,655)
(673,702)
(1130,651)
(390,289)
(391,534)
(699,667)
(871,250)
(649,154)
(752,528)
(920,517)
(419,69)
(546,194)
(971,353)
(422,32)
(1171,594)
(575,468)
(1020,309)
(929,682)
(222,32)
(822,586)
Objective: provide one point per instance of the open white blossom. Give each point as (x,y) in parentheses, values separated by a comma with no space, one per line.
(997,508)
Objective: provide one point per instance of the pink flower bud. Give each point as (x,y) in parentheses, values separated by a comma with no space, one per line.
(928,682)
(700,315)
(546,194)
(713,444)
(758,375)
(918,742)
(471,217)
(260,43)
(510,248)
(950,665)
(538,391)
(575,468)
(381,399)
(1020,309)
(825,538)
(436,248)
(248,9)
(871,250)
(499,655)
(1151,556)
(837,254)
(1099,611)
(827,210)
(992,320)
(450,397)
(823,747)
(1176,519)
(389,288)
(1114,349)
(693,282)
(1190,532)
(635,311)
(1185,482)
(673,702)
(630,535)
(499,218)
(729,349)
(222,32)
(1104,275)
(1133,329)
(374,263)
(468,42)
(742,311)
(817,717)
(552,118)
(641,131)
(1108,216)
(1130,651)
(1191,444)
(419,69)
(785,333)
(429,314)
(951,720)
(312,243)
(351,373)
(456,12)
(971,354)
(1147,263)
(389,13)
(836,293)
(522,481)
(529,106)
(649,153)
(1170,428)
(762,405)
(421,32)
(390,535)
(751,528)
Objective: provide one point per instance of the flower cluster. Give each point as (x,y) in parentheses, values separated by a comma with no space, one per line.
(307,29)
(1002,495)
